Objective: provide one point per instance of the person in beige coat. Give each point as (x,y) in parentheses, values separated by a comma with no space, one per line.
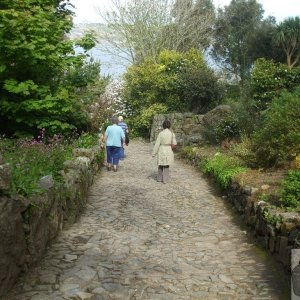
(164,152)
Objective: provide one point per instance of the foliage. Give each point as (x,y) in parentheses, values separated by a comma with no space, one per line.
(288,37)
(103,105)
(86,140)
(235,29)
(244,151)
(200,89)
(278,139)
(244,111)
(31,159)
(223,168)
(171,83)
(39,72)
(140,125)
(269,79)
(188,152)
(227,128)
(290,189)
(142,29)
(263,44)
(272,218)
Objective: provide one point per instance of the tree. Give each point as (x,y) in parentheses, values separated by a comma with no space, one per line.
(143,28)
(235,28)
(288,37)
(263,45)
(180,81)
(36,62)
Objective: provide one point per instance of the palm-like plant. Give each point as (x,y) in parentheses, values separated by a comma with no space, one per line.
(288,37)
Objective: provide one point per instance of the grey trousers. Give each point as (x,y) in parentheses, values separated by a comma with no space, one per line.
(163,174)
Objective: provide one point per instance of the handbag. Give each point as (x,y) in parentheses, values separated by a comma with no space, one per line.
(173,146)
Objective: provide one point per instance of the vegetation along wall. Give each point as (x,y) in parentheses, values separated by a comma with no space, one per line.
(28,225)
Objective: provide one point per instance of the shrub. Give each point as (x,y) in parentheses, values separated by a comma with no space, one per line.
(244,151)
(86,140)
(278,139)
(32,159)
(141,124)
(227,128)
(223,168)
(180,81)
(290,189)
(269,79)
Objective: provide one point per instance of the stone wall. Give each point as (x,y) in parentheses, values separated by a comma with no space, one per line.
(190,128)
(278,232)
(28,225)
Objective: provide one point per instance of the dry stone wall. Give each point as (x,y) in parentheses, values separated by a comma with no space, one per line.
(278,232)
(28,225)
(190,128)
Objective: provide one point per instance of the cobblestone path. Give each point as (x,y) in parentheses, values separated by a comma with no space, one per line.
(140,239)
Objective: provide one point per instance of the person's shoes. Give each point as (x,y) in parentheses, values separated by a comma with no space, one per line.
(115,169)
(108,168)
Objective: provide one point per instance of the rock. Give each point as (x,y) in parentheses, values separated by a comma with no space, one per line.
(216,115)
(69,257)
(79,163)
(46,182)
(84,296)
(83,152)
(69,287)
(226,279)
(287,227)
(87,274)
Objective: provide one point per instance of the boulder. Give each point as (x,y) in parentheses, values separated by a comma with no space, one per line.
(216,115)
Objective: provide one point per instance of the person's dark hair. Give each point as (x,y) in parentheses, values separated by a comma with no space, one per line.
(166,124)
(114,120)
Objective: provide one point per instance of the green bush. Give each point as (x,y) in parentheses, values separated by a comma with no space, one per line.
(290,189)
(269,79)
(227,128)
(31,159)
(141,124)
(86,140)
(244,151)
(223,168)
(278,139)
(179,81)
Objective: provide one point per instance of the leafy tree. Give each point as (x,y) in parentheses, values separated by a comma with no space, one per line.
(288,37)
(235,28)
(263,45)
(200,89)
(179,81)
(36,62)
(141,29)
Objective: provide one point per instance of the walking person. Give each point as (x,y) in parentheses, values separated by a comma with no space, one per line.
(124,126)
(114,136)
(163,149)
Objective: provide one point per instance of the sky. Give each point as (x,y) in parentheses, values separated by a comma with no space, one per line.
(87,11)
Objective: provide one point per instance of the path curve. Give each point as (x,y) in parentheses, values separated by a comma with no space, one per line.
(140,239)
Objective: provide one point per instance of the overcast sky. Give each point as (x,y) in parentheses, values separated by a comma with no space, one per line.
(87,10)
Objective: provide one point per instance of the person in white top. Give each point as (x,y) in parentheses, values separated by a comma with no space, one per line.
(164,152)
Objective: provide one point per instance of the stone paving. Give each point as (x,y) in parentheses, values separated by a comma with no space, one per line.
(141,239)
